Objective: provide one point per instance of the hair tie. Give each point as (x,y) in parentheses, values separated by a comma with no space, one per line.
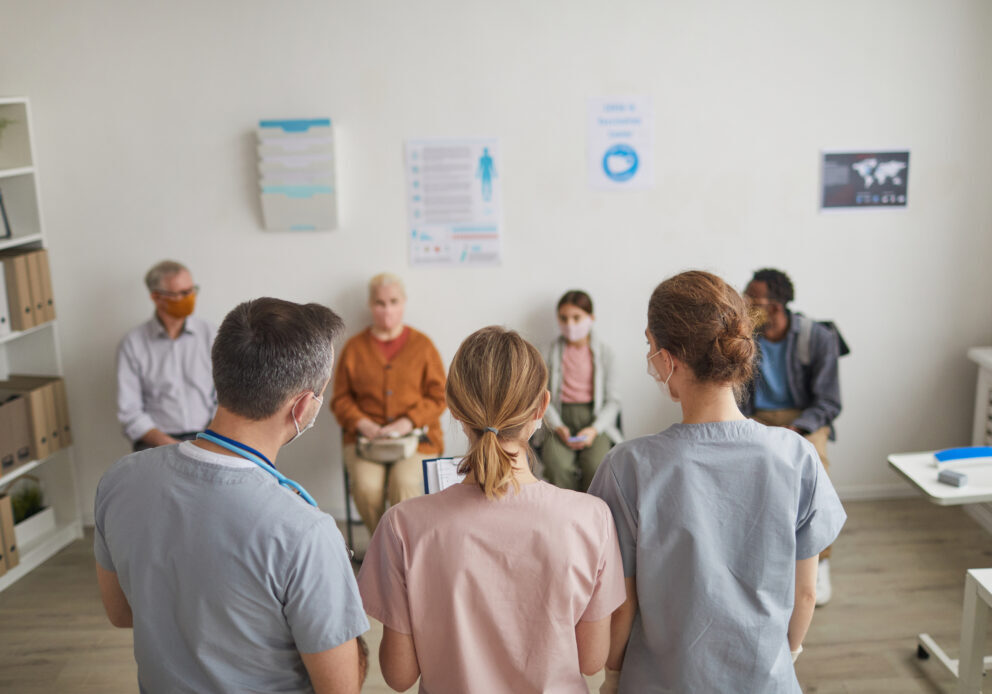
(493,429)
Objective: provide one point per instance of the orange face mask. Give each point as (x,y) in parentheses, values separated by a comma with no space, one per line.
(180,308)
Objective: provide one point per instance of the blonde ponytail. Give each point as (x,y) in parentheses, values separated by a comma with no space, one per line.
(494,388)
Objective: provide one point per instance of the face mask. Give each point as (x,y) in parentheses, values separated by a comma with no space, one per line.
(573,332)
(537,428)
(180,308)
(653,373)
(760,314)
(308,427)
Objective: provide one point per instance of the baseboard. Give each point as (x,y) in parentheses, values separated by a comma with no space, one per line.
(982,513)
(872,492)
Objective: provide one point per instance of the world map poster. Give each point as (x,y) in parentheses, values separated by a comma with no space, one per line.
(865,179)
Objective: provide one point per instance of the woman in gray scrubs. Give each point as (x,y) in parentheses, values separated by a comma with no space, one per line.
(720,518)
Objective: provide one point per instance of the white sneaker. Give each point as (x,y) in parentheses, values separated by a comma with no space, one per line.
(823,588)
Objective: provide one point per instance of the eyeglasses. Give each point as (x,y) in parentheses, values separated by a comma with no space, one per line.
(182,294)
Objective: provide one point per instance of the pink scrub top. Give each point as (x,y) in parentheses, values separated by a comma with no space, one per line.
(492,590)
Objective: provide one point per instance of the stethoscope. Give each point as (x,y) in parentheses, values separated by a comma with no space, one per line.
(249,453)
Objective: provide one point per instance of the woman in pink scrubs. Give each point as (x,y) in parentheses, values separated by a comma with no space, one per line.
(503,583)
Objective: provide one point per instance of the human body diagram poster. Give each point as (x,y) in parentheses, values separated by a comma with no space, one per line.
(620,143)
(865,179)
(454,199)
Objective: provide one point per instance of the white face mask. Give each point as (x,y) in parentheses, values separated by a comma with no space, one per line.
(308,427)
(653,373)
(573,332)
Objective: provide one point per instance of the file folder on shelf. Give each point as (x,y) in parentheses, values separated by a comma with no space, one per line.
(34,286)
(48,413)
(22,314)
(62,412)
(11,553)
(15,434)
(4,305)
(37,417)
(47,296)
(28,286)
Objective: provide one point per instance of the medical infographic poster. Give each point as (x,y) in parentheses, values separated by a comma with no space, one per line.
(864,179)
(620,141)
(454,201)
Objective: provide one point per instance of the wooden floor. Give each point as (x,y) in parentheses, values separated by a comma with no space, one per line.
(898,569)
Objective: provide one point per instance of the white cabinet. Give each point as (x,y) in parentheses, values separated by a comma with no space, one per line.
(35,350)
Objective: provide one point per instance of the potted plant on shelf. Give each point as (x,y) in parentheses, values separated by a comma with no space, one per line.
(32,519)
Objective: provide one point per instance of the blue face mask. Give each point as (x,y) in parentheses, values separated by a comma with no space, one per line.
(308,427)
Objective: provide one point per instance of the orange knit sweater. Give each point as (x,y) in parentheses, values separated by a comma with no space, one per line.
(411,385)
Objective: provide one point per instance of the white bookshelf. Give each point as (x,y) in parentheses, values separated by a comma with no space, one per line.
(36,350)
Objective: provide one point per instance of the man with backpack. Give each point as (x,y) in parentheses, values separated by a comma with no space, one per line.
(796,384)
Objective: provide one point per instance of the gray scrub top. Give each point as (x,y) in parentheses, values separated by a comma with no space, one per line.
(229,575)
(711,520)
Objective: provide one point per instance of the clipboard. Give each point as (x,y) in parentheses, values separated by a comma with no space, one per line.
(441,473)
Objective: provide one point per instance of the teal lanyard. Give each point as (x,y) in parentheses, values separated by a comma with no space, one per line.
(249,453)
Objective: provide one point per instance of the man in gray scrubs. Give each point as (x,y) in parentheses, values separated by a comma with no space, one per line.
(230,578)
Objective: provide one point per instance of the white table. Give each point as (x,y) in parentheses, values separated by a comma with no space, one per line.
(974,625)
(920,471)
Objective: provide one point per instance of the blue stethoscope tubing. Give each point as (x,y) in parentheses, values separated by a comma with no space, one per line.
(249,453)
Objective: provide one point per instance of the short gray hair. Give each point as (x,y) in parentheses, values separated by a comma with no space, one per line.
(384,279)
(161,270)
(268,350)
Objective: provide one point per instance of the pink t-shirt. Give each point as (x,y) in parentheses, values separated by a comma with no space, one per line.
(576,374)
(491,590)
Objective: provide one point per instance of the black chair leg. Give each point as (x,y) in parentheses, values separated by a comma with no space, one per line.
(347,506)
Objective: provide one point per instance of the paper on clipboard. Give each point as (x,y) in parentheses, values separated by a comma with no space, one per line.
(441,473)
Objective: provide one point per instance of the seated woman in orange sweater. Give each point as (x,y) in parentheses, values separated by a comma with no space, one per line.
(389,381)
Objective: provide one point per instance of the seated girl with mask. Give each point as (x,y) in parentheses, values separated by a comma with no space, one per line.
(502,583)
(585,407)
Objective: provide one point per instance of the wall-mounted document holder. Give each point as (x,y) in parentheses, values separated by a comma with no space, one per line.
(296,174)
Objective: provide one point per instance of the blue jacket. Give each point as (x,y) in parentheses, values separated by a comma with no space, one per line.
(814,386)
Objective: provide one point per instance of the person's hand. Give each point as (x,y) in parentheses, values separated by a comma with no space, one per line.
(367,428)
(795,653)
(401,427)
(588,436)
(563,433)
(612,682)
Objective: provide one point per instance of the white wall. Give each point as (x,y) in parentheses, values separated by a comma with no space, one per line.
(144,115)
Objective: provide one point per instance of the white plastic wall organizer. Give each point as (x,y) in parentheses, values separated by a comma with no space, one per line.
(296,174)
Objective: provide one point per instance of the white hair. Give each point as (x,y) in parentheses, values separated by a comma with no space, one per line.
(385,279)
(161,270)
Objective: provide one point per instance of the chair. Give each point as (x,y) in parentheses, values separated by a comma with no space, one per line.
(347,506)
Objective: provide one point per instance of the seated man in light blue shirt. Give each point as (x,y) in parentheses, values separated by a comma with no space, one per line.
(797,385)
(165,392)
(230,576)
